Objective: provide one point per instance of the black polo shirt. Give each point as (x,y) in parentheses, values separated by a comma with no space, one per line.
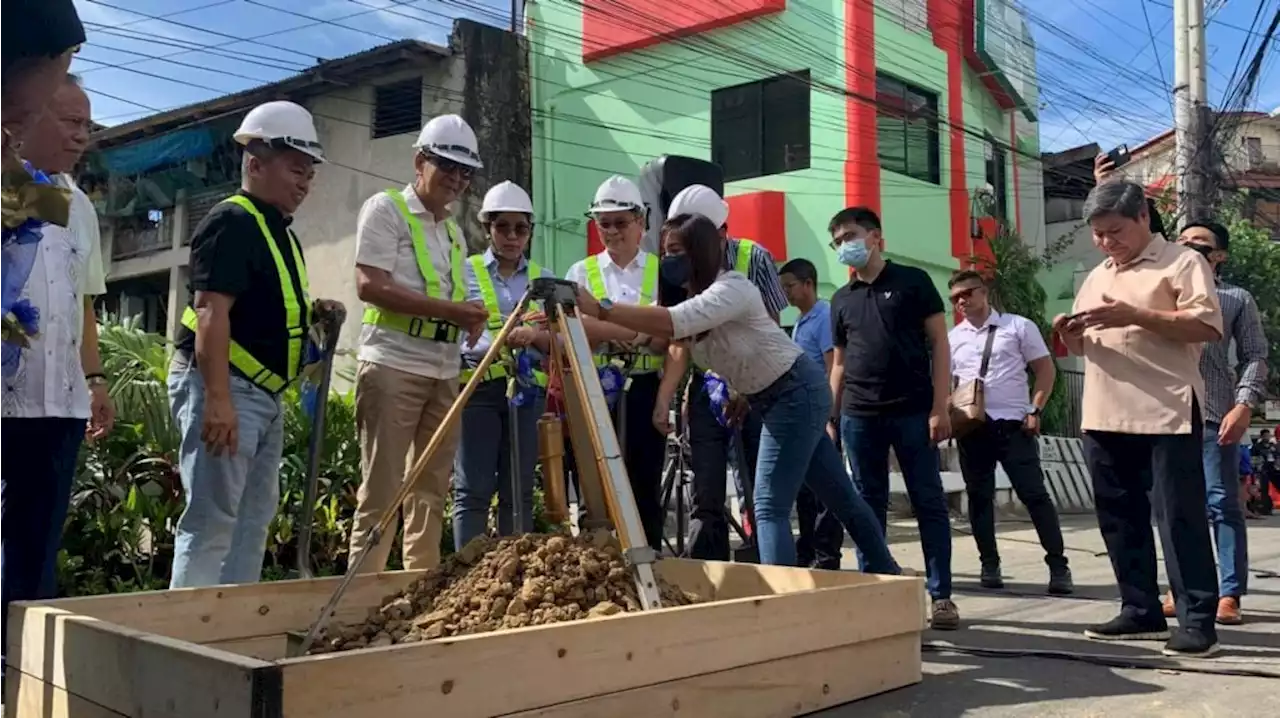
(229,255)
(880,326)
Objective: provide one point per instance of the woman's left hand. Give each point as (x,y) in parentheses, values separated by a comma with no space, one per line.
(587,304)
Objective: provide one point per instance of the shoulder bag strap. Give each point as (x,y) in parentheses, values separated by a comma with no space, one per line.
(986,352)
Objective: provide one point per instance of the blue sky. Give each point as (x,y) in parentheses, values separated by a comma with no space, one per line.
(1103,76)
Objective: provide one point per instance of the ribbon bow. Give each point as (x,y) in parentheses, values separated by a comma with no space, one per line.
(718,391)
(613,382)
(30,200)
(522,387)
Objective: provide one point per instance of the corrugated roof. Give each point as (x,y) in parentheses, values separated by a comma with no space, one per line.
(307,82)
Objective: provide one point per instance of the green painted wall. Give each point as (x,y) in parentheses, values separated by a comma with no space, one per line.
(614,115)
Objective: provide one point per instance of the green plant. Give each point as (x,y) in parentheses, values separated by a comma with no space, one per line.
(127,494)
(1254,265)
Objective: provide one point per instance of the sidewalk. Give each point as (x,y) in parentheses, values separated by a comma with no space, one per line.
(960,683)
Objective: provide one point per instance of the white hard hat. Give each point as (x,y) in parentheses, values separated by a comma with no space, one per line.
(505,197)
(700,199)
(450,137)
(617,194)
(281,124)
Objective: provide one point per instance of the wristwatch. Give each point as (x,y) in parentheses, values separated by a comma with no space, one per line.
(1033,410)
(606,305)
(93,380)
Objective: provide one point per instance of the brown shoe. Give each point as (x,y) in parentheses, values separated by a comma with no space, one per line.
(1170,610)
(1229,611)
(944,616)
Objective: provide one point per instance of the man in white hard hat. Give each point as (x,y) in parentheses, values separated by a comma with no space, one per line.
(624,274)
(241,344)
(409,265)
(493,417)
(709,440)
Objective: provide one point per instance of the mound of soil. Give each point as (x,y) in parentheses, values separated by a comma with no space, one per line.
(494,584)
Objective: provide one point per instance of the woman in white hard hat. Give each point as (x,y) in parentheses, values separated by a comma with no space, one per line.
(625,274)
(728,330)
(409,264)
(494,417)
(240,346)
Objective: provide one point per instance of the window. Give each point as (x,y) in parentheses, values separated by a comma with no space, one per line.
(397,108)
(761,128)
(996,177)
(1253,152)
(907,129)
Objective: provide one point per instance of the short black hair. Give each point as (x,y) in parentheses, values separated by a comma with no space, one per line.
(802,269)
(864,217)
(965,275)
(1155,225)
(1221,237)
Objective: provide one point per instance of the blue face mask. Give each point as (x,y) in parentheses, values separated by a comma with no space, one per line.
(853,253)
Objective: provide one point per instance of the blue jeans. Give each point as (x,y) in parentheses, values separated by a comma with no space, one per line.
(866,444)
(794,411)
(1222,494)
(230,499)
(483,464)
(35,489)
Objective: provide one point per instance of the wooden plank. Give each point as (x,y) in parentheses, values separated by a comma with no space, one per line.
(135,673)
(774,689)
(721,580)
(29,697)
(546,665)
(222,613)
(264,648)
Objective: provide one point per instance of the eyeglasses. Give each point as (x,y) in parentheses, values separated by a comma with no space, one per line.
(963,294)
(614,226)
(519,230)
(841,239)
(450,167)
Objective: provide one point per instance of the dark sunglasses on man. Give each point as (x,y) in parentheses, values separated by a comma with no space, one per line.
(449,167)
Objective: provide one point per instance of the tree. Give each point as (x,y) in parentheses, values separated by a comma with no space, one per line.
(1254,266)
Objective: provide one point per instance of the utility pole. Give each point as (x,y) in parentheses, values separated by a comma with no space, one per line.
(1192,125)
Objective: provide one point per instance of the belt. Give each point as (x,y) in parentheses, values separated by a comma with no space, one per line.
(640,363)
(499,371)
(420,328)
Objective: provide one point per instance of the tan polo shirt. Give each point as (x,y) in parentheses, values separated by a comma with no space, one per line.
(1136,381)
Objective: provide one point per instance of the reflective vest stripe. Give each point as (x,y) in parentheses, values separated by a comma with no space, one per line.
(487,292)
(742,262)
(296,310)
(648,285)
(421,326)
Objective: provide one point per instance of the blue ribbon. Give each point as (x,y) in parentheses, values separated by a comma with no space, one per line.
(526,387)
(613,383)
(20,246)
(718,391)
(309,392)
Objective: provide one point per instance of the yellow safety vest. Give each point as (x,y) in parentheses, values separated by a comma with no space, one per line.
(423,327)
(648,293)
(490,297)
(742,261)
(296,310)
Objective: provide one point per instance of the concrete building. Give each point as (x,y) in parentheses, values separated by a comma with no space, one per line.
(154,179)
(912,107)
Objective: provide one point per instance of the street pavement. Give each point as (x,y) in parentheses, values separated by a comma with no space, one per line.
(958,682)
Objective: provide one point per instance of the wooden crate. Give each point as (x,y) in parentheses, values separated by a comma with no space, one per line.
(775,641)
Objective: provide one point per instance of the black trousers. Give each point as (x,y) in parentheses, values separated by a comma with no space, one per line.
(644,453)
(1132,475)
(1017,451)
(35,490)
(709,445)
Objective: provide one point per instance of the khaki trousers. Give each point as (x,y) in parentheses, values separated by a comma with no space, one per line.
(396,414)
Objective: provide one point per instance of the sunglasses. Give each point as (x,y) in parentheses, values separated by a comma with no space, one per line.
(519,230)
(450,167)
(963,294)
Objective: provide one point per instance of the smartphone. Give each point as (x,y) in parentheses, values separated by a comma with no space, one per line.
(1119,157)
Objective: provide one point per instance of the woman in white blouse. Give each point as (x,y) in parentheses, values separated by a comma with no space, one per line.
(726,327)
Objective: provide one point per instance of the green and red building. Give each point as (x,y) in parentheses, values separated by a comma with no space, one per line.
(911,107)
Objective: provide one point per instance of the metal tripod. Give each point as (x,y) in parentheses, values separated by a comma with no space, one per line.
(584,396)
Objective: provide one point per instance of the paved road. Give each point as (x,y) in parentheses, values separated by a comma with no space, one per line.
(961,684)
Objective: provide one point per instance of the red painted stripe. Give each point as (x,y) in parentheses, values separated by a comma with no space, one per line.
(610,27)
(947,20)
(862,164)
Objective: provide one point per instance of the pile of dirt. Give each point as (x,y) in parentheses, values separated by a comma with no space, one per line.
(495,584)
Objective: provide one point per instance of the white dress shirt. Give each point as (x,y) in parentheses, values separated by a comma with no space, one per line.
(741,343)
(68,267)
(383,242)
(622,284)
(1017,343)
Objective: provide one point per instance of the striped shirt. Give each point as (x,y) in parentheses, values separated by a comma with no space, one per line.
(762,272)
(1242,324)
